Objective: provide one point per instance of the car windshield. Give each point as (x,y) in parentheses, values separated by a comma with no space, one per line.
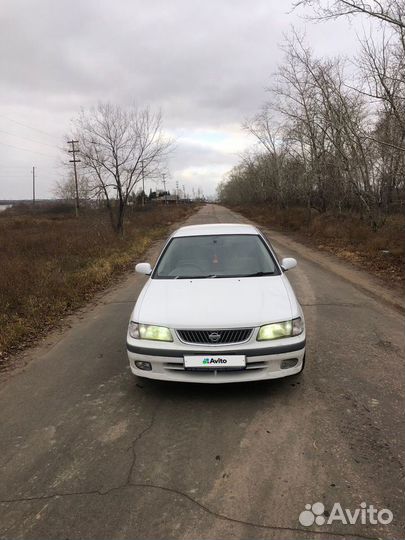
(220,256)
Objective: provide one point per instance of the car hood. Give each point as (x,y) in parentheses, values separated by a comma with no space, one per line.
(215,303)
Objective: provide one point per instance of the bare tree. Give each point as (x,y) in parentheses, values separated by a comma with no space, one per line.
(330,141)
(388,11)
(383,68)
(117,148)
(323,143)
(66,189)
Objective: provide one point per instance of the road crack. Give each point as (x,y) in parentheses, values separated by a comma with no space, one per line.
(136,441)
(129,484)
(185,495)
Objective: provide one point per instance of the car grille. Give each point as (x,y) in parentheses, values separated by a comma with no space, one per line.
(215,337)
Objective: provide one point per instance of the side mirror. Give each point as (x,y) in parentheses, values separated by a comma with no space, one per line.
(288,263)
(143,268)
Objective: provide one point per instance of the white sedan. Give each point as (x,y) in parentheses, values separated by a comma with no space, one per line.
(216,308)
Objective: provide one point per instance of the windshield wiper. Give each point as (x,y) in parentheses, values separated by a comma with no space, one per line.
(257,274)
(216,276)
(191,277)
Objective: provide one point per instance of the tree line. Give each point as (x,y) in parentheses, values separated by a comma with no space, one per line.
(331,136)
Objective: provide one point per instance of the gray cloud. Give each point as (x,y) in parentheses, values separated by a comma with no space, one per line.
(205,64)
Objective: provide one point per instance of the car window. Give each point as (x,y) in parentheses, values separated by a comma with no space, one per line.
(218,256)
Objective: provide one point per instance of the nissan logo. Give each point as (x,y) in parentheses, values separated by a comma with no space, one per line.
(214,337)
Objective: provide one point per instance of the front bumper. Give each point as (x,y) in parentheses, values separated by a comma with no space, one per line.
(261,363)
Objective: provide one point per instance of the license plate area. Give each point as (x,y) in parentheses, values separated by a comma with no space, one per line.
(215,362)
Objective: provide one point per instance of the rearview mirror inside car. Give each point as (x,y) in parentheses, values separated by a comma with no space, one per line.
(143,268)
(288,262)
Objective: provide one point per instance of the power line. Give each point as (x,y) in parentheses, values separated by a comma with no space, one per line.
(25,125)
(2,167)
(25,149)
(27,139)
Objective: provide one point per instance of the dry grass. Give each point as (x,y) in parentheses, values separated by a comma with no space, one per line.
(51,263)
(350,238)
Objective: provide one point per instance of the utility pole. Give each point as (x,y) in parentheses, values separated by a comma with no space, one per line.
(164,186)
(33,185)
(143,184)
(177,192)
(74,151)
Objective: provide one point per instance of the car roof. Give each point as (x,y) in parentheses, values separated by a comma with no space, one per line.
(216,229)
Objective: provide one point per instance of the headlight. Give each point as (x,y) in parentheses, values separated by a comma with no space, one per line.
(148,331)
(298,326)
(281,330)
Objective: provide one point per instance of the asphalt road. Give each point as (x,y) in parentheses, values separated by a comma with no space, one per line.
(88,451)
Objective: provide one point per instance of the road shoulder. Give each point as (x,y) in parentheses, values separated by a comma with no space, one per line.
(360,279)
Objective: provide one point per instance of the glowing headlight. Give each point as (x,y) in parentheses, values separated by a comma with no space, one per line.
(281,330)
(147,331)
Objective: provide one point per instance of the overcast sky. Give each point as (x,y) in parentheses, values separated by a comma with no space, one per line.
(205,64)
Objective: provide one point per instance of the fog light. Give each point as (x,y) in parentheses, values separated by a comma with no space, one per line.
(289,363)
(146,366)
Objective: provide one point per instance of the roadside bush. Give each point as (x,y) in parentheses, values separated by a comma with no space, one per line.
(348,236)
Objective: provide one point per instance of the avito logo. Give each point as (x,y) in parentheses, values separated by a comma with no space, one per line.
(315,513)
(215,361)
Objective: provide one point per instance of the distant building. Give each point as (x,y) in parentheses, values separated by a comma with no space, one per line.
(162,197)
